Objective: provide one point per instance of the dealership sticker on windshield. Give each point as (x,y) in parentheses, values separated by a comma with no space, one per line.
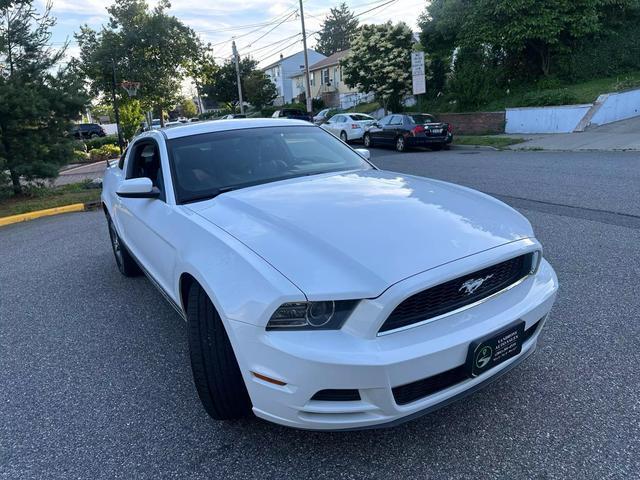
(486,353)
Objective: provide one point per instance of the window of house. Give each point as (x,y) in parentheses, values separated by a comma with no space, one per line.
(325,76)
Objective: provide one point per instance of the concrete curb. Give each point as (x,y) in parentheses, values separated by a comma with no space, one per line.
(24,217)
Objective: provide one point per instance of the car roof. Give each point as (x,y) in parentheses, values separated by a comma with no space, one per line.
(197,128)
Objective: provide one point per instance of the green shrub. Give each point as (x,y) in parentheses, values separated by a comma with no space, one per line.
(79,156)
(105,152)
(100,141)
(560,96)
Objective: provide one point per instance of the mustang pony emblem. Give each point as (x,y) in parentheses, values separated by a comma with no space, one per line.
(473,284)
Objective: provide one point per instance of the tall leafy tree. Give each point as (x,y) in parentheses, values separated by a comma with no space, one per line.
(38,95)
(140,44)
(257,88)
(260,90)
(380,62)
(338,30)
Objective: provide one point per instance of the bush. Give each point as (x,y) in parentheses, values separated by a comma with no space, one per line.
(105,152)
(100,141)
(560,96)
(80,156)
(317,104)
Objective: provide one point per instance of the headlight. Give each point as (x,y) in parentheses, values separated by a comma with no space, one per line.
(327,315)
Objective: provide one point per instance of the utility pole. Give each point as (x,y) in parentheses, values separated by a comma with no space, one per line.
(306,61)
(236,57)
(116,109)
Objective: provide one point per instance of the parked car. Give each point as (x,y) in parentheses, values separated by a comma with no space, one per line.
(194,119)
(232,116)
(319,291)
(349,126)
(324,115)
(406,130)
(87,130)
(292,114)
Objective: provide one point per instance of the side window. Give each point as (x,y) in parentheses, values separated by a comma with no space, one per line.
(385,120)
(144,161)
(122,157)
(396,120)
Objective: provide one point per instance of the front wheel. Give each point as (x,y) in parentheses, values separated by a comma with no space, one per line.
(125,262)
(367,140)
(400,144)
(215,369)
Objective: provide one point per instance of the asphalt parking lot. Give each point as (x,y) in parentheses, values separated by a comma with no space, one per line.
(95,380)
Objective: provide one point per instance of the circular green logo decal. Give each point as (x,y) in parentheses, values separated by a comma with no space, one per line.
(483,357)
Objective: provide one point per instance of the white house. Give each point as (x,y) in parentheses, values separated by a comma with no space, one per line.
(327,83)
(284,69)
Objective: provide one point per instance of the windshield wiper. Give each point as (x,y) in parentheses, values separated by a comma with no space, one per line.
(210,195)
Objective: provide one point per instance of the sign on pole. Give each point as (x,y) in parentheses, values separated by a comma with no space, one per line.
(417,70)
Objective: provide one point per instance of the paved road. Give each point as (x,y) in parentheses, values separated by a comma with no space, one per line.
(95,379)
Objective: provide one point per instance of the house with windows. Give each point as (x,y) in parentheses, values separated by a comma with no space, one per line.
(327,83)
(282,71)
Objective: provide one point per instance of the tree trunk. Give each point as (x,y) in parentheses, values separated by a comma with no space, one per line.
(161,117)
(15,182)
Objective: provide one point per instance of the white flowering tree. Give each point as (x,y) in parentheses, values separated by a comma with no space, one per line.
(380,62)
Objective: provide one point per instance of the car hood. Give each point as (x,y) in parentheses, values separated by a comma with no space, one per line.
(353,234)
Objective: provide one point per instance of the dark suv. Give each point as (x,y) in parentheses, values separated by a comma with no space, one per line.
(405,130)
(87,130)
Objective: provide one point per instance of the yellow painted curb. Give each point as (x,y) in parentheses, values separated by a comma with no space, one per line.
(23,217)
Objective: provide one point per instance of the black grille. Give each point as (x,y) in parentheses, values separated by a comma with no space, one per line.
(450,296)
(337,395)
(428,386)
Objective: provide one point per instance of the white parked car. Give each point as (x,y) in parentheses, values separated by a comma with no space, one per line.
(349,126)
(319,291)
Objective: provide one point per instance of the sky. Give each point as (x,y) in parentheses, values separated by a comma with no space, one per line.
(218,21)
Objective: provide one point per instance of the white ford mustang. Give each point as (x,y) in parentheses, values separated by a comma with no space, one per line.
(321,292)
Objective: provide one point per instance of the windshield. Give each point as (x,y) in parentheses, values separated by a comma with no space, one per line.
(422,119)
(207,164)
(360,118)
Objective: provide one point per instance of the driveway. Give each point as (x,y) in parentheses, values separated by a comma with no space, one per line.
(95,380)
(622,135)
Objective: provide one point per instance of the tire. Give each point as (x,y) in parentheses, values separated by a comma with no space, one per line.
(94,135)
(368,142)
(215,369)
(400,144)
(125,262)
(343,137)
(437,147)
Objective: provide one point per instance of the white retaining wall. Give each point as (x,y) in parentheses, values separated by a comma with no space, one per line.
(561,119)
(610,107)
(618,106)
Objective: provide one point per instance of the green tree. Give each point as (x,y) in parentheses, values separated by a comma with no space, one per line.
(38,96)
(380,62)
(223,87)
(141,44)
(131,116)
(260,90)
(338,30)
(187,108)
(534,28)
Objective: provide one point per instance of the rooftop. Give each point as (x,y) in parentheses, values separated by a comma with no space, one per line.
(327,62)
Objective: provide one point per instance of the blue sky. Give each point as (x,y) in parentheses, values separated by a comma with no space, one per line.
(218,21)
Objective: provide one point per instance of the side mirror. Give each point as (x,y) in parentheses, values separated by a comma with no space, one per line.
(137,188)
(364,153)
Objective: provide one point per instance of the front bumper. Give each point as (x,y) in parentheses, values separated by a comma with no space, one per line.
(357,358)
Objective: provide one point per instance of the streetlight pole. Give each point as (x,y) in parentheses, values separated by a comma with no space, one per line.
(306,61)
(116,109)
(237,60)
